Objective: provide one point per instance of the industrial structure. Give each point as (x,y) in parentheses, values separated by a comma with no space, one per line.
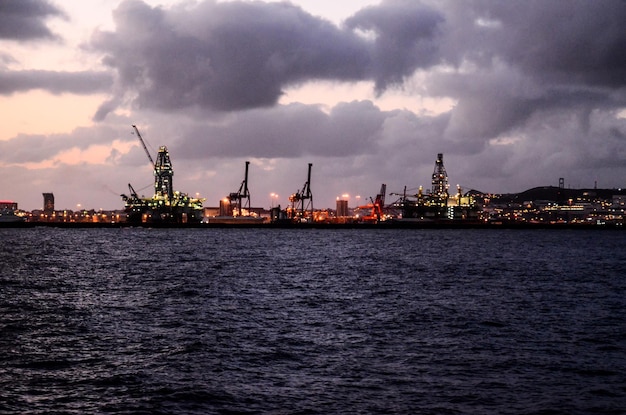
(437,207)
(376,207)
(438,204)
(166,205)
(439,191)
(301,209)
(237,208)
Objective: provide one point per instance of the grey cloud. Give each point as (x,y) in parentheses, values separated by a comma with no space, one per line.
(105,108)
(225,56)
(289,131)
(35,148)
(6,59)
(25,19)
(515,60)
(563,41)
(550,146)
(241,55)
(55,82)
(406,38)
(522,57)
(550,76)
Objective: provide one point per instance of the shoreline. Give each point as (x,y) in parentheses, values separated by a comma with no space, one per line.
(289,225)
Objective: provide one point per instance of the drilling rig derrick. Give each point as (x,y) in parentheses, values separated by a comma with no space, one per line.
(432,206)
(439,191)
(163,171)
(163,175)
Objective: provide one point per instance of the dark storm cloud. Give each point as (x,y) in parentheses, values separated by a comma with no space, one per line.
(406,38)
(510,61)
(241,55)
(55,82)
(25,19)
(225,56)
(528,80)
(290,131)
(562,41)
(505,60)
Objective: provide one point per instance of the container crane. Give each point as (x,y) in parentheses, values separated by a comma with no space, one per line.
(298,206)
(243,193)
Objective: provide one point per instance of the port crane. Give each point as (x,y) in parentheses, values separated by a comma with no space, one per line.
(298,199)
(376,206)
(243,193)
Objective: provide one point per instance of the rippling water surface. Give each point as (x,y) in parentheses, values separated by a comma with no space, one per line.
(251,321)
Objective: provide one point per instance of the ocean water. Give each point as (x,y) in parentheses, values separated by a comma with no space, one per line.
(287,321)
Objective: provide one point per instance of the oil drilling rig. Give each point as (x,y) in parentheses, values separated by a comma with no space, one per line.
(166,205)
(438,204)
(439,191)
(301,209)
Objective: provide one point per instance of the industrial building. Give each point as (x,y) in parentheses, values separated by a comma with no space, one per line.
(8,205)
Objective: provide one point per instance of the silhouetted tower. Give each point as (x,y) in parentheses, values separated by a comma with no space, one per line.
(243,193)
(298,205)
(163,174)
(440,184)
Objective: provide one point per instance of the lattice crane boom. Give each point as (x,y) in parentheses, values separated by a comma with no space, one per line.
(243,193)
(143,144)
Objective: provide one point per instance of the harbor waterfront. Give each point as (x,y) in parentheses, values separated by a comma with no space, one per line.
(250,321)
(327,225)
(537,207)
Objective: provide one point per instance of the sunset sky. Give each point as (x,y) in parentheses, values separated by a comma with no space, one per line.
(514,94)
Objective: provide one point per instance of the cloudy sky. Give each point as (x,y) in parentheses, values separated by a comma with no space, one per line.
(514,94)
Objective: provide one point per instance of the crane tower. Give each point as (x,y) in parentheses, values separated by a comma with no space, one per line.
(298,205)
(235,198)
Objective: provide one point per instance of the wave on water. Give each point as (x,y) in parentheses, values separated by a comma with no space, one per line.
(251,321)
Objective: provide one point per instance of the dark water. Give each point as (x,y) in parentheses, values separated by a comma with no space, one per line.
(235,321)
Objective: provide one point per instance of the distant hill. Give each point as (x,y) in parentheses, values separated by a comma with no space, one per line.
(557,194)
